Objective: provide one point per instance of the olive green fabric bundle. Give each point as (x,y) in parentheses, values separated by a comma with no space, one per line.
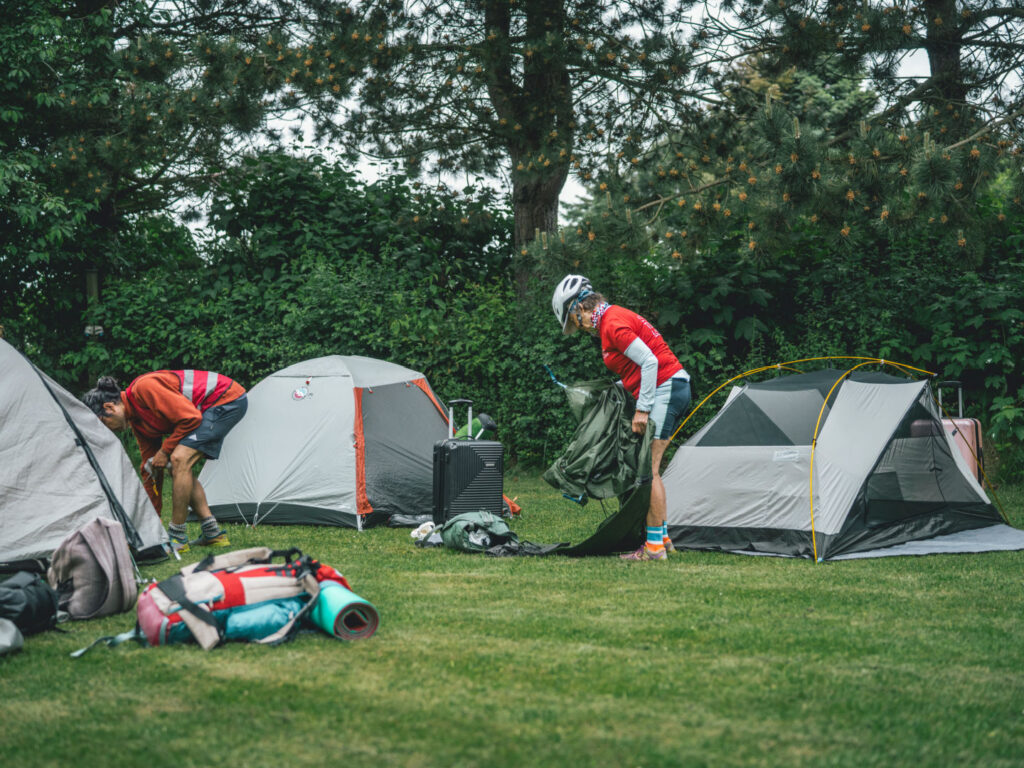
(605,458)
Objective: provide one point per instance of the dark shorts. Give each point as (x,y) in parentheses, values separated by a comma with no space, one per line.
(217,422)
(671,404)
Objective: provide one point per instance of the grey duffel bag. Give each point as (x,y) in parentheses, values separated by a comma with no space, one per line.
(93,572)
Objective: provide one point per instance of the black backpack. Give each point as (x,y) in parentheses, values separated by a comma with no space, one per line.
(28,601)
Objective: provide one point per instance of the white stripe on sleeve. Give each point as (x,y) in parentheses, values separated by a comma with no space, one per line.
(642,355)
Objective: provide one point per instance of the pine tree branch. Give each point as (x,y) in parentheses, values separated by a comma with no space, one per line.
(692,191)
(988,128)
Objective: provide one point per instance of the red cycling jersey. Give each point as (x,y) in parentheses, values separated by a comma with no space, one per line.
(619,327)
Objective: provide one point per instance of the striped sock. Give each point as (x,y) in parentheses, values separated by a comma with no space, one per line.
(654,541)
(178,533)
(210,526)
(664,533)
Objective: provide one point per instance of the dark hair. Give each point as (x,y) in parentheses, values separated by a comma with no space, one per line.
(106,391)
(592,300)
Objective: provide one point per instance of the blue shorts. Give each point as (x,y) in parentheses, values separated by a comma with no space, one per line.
(217,422)
(671,403)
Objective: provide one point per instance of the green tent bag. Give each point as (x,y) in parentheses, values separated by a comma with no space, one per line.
(476,532)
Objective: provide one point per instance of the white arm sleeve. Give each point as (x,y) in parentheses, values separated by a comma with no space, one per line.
(642,355)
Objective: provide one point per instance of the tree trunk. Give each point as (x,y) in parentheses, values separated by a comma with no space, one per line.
(943,44)
(535,210)
(535,206)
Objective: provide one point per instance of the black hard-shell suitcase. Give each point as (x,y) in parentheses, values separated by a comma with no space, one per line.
(468,474)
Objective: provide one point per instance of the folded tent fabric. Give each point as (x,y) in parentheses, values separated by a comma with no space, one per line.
(605,458)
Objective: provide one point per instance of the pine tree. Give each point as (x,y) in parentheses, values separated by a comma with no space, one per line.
(535,89)
(116,110)
(941,152)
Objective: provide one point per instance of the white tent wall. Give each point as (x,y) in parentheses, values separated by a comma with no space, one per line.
(362,371)
(863,420)
(299,451)
(753,486)
(791,420)
(48,487)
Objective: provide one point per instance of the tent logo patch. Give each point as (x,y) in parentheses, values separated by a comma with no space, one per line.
(301,393)
(789,454)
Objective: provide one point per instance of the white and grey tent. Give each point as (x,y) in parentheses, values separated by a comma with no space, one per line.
(829,464)
(60,468)
(336,440)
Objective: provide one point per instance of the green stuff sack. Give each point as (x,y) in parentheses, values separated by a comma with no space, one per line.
(476,532)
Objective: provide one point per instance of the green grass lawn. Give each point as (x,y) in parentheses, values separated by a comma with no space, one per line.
(708,659)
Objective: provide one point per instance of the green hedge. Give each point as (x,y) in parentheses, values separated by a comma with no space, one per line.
(308,261)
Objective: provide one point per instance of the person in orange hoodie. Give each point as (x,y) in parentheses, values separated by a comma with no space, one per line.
(176,417)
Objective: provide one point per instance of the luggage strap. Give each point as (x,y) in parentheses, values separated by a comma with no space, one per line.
(207,563)
(112,641)
(174,588)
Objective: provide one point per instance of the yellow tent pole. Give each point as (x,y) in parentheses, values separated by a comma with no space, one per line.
(780,366)
(814,445)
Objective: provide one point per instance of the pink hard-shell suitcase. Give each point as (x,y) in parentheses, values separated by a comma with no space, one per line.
(966,432)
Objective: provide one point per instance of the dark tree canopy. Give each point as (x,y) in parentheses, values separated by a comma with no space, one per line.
(818,129)
(531,89)
(116,110)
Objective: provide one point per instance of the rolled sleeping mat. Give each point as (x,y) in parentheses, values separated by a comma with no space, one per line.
(344,614)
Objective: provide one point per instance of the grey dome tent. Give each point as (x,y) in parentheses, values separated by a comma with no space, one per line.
(823,464)
(336,440)
(60,468)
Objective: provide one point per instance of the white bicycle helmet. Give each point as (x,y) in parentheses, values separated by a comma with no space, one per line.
(570,290)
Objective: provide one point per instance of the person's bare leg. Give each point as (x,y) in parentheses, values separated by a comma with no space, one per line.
(183,483)
(198,500)
(656,513)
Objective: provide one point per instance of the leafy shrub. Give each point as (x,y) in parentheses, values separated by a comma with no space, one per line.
(309,262)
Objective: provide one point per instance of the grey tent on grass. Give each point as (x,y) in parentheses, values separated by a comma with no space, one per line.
(60,468)
(827,464)
(337,440)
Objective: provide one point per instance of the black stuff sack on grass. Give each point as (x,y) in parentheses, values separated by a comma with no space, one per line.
(29,602)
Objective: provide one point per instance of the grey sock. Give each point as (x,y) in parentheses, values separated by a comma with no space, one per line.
(178,532)
(211,527)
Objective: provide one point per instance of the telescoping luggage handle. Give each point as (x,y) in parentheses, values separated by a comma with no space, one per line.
(959,395)
(451,416)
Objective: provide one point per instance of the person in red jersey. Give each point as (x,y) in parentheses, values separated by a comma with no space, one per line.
(177,417)
(633,349)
